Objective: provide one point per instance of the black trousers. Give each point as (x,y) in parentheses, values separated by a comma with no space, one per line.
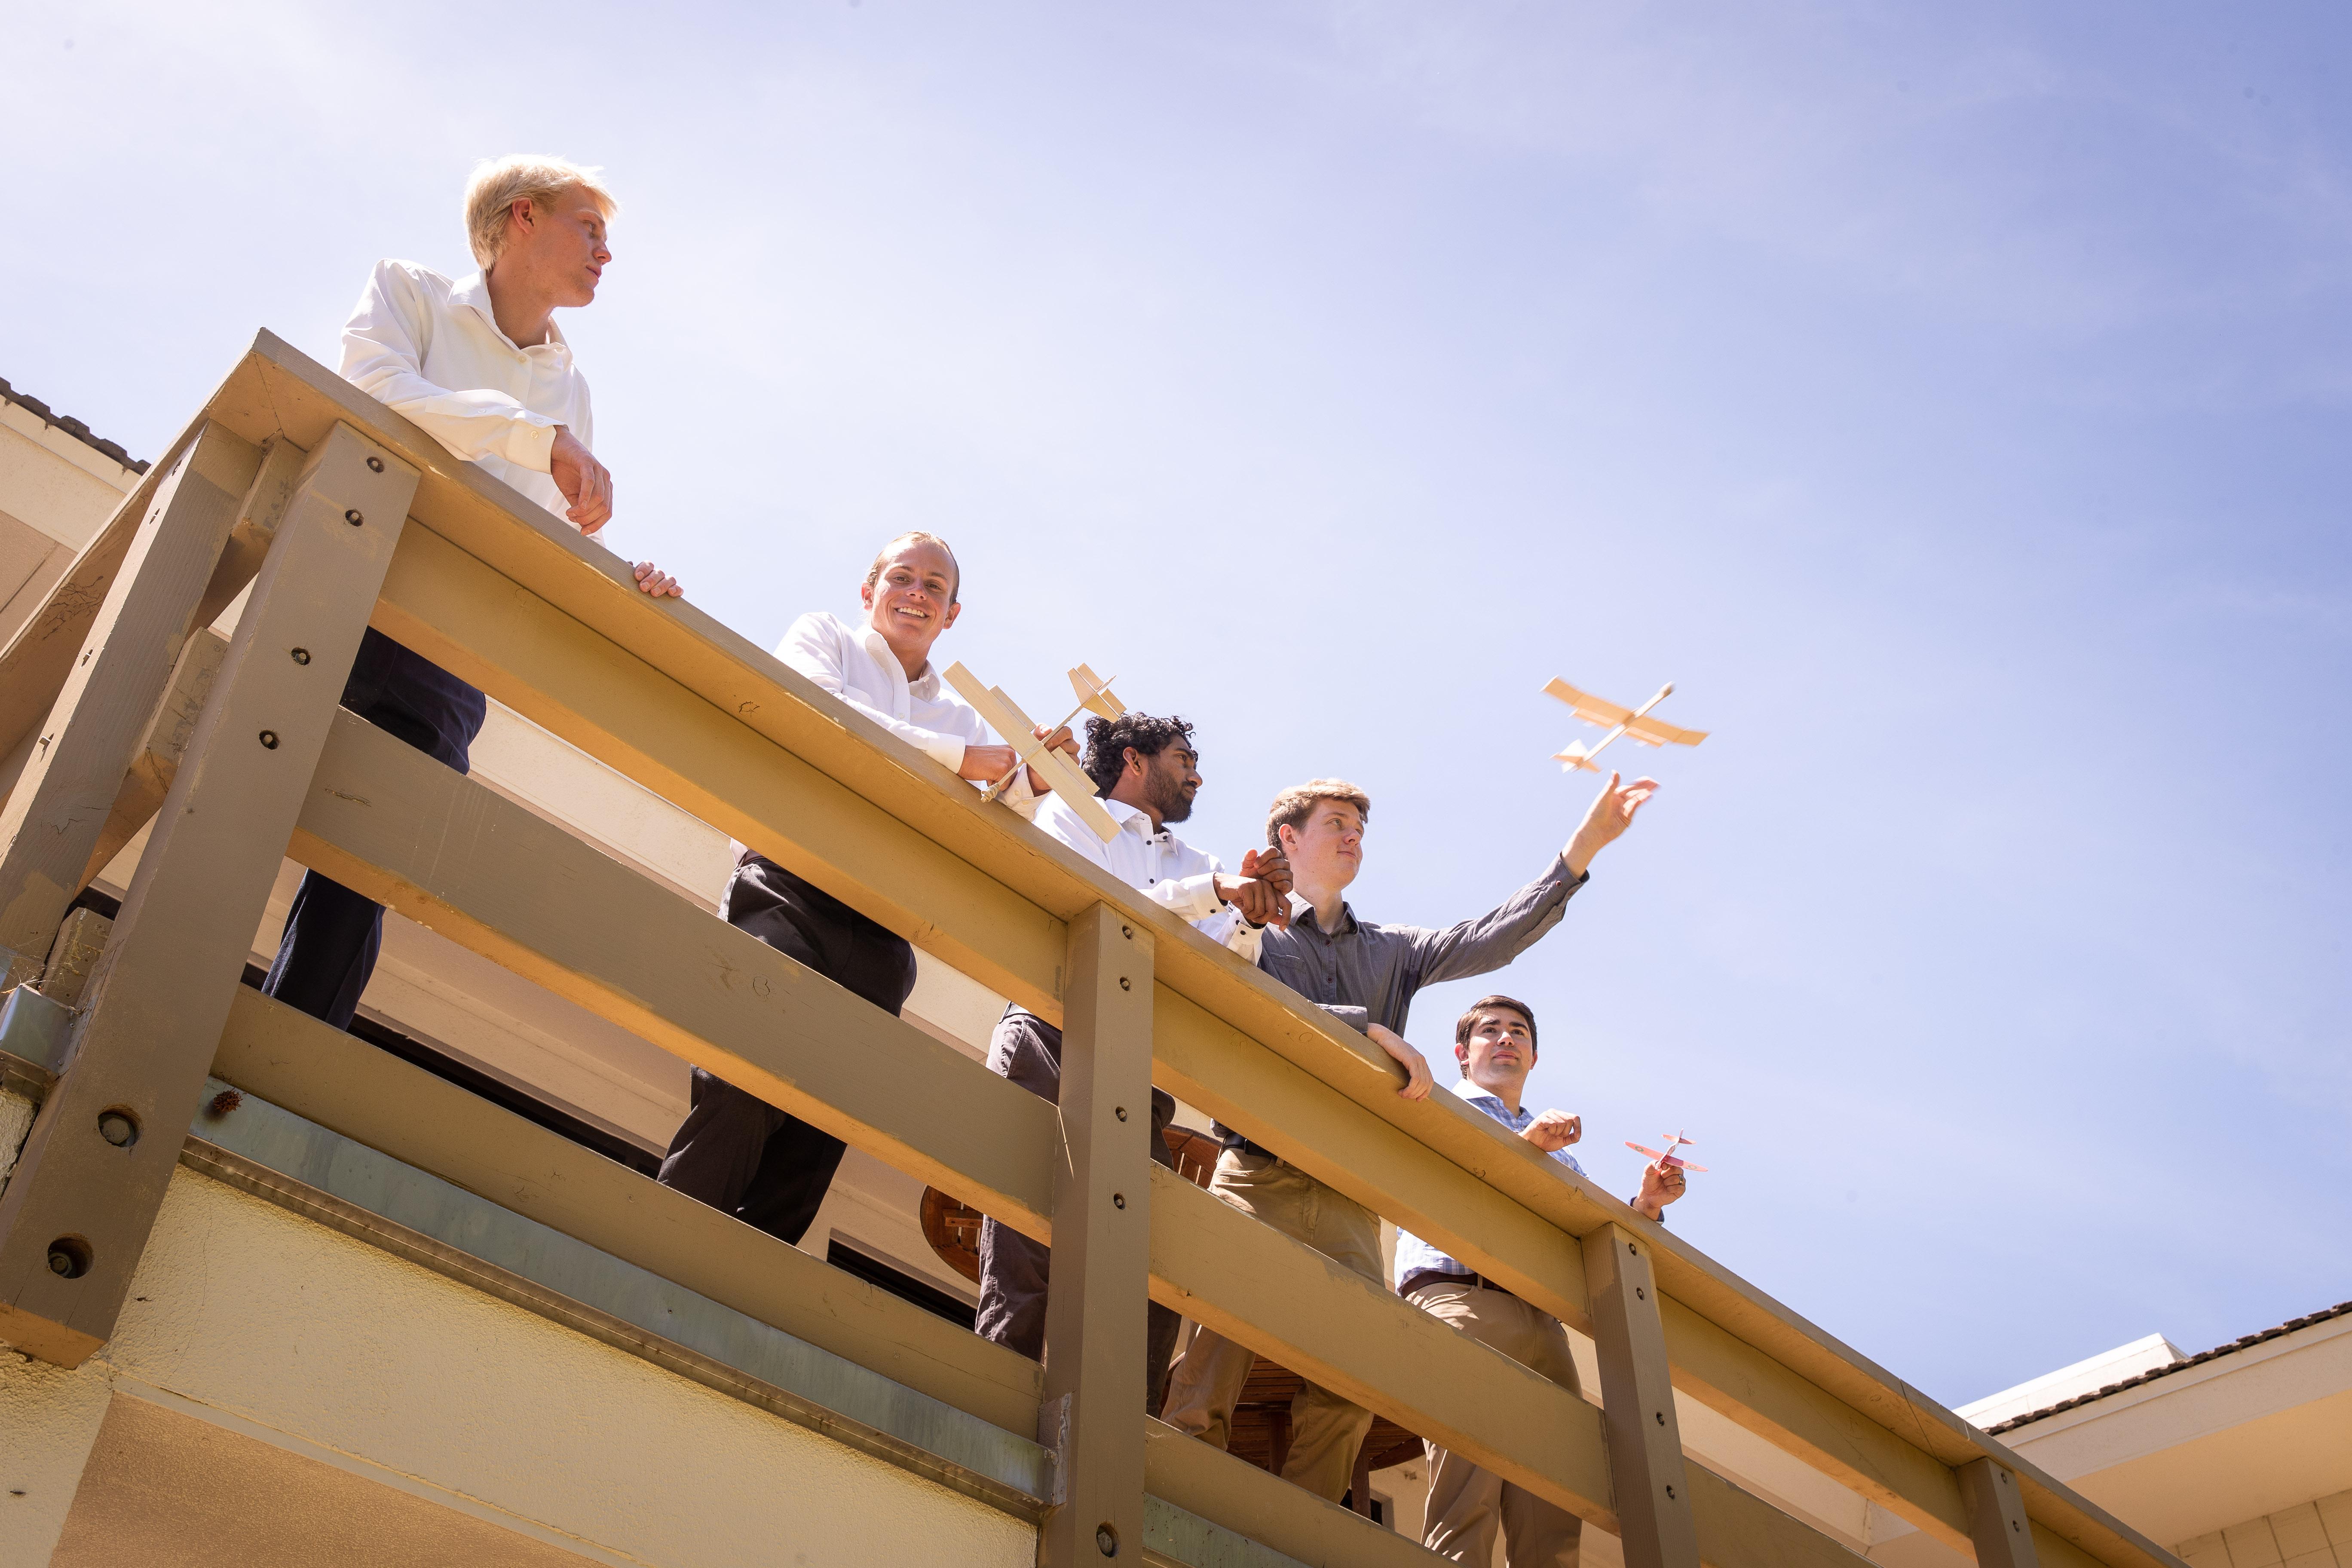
(333,935)
(1013,1269)
(736,1151)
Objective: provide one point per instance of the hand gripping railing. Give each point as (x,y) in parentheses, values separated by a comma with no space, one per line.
(351,516)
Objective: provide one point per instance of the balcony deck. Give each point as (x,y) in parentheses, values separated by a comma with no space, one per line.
(317,1250)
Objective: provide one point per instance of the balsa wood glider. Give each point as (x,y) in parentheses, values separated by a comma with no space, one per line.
(1069,781)
(1635,722)
(1667,1156)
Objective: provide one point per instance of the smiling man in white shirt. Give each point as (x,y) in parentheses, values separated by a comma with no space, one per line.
(1494,1043)
(480,365)
(1146,773)
(735,1151)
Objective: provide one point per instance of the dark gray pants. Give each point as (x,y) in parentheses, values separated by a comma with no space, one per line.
(1014,1268)
(736,1151)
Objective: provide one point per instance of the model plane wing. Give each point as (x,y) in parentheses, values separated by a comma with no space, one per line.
(1651,732)
(1590,709)
(1004,716)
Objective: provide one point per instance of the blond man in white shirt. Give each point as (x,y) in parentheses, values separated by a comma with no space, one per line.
(1146,773)
(736,1151)
(481,366)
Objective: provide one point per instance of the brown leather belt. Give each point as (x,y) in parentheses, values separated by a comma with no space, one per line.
(1419,1277)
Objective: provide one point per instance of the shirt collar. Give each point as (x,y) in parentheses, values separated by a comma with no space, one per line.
(1131,818)
(926,684)
(473,291)
(1485,1097)
(1303,913)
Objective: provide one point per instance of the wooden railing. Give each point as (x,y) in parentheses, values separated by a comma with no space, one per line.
(351,516)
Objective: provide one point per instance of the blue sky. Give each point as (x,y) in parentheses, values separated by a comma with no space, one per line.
(1951,404)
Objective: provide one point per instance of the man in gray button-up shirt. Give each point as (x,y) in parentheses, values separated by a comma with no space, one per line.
(1365,974)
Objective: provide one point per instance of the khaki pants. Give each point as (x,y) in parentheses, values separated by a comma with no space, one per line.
(1465,1504)
(1325,1429)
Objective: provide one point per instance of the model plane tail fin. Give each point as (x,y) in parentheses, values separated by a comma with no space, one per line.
(1576,757)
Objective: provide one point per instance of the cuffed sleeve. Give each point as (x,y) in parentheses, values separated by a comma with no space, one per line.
(384,344)
(1194,898)
(1357,1018)
(1229,929)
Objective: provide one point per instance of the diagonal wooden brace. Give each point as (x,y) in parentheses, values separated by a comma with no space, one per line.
(77,1212)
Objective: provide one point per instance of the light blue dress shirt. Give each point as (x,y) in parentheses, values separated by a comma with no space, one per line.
(1415,1255)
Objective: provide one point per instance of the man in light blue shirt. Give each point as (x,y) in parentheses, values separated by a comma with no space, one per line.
(1494,1041)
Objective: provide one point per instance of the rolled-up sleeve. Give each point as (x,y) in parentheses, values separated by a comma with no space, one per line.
(384,344)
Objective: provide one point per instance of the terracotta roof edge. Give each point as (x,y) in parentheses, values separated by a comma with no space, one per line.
(2341,1309)
(73,428)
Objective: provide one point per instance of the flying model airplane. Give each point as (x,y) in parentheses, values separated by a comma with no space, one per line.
(1667,1156)
(1004,716)
(1634,721)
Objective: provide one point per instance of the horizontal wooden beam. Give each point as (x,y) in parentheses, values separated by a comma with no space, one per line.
(385,819)
(1357,1338)
(371,1097)
(1237,1495)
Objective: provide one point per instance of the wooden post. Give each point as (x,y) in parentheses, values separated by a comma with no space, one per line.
(1637,1400)
(77,1212)
(1099,1288)
(53,817)
(2004,1536)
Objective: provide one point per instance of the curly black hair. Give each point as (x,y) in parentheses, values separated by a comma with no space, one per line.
(1108,741)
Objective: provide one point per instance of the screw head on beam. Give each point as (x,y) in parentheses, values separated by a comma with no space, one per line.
(375,464)
(118,1128)
(1106,1540)
(353,517)
(302,656)
(269,740)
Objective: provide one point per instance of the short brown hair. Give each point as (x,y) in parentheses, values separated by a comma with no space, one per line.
(916,536)
(1469,1019)
(1296,804)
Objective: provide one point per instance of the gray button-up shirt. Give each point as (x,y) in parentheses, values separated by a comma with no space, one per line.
(1362,973)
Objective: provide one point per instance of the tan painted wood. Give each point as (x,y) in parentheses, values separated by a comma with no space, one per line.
(1997,1517)
(347,1086)
(92,732)
(81,941)
(388,821)
(162,992)
(1637,1398)
(38,657)
(1812,1394)
(157,763)
(264,507)
(1096,1299)
(1332,1326)
(1242,1498)
(1738,1529)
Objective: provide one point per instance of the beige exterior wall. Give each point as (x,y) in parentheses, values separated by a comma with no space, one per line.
(2312,1535)
(257,1323)
(56,493)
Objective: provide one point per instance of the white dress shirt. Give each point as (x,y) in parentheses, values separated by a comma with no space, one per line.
(1160,865)
(432,348)
(855,665)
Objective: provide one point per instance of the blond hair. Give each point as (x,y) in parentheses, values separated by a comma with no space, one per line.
(916,536)
(498,183)
(1296,804)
